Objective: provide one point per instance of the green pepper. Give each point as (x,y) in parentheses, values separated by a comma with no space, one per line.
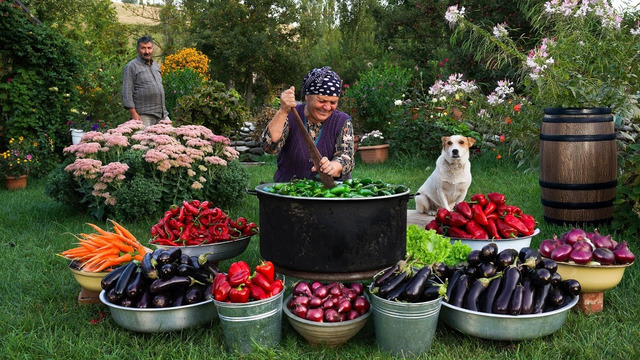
(278,186)
(366,181)
(329,195)
(366,192)
(340,189)
(400,189)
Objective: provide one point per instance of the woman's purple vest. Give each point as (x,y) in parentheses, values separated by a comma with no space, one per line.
(294,160)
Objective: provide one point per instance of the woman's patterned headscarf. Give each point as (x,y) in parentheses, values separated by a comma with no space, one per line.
(321,81)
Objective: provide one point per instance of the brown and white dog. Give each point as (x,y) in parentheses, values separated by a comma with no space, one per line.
(450,180)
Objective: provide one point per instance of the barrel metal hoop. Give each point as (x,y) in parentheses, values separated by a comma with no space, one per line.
(578,119)
(577,138)
(555,221)
(577,111)
(576,205)
(592,186)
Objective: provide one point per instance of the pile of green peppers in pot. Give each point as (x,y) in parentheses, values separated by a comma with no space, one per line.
(350,188)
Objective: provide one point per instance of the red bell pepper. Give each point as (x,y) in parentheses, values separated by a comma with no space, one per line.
(222,291)
(505,230)
(455,232)
(514,222)
(529,222)
(489,208)
(480,199)
(256,292)
(267,269)
(497,198)
(260,280)
(463,208)
(475,230)
(433,225)
(239,294)
(442,215)
(492,229)
(277,286)
(217,280)
(479,215)
(250,230)
(456,219)
(239,277)
(238,265)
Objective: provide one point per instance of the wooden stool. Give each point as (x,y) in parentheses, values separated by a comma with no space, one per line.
(88,297)
(590,303)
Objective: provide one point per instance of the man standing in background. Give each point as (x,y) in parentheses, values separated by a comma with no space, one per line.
(142,91)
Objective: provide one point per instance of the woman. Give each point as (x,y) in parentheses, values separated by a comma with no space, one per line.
(330,129)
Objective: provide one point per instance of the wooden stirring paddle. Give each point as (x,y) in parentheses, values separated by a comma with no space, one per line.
(326,179)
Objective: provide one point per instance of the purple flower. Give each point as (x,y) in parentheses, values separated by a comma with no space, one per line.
(95,127)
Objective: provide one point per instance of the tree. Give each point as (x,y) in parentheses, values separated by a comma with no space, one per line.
(250,43)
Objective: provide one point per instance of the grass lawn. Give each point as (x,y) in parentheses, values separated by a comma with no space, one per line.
(40,317)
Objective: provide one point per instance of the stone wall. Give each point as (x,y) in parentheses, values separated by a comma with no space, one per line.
(245,140)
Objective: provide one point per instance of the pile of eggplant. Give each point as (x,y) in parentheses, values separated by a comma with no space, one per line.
(164,278)
(404,283)
(509,282)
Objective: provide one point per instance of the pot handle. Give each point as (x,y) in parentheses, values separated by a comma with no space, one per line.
(251,192)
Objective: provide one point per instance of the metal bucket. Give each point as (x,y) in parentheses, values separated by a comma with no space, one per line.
(255,322)
(405,329)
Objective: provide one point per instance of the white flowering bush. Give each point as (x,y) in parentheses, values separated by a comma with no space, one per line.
(184,162)
(586,57)
(372,139)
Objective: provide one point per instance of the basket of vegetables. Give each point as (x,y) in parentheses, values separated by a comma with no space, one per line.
(197,227)
(597,261)
(508,295)
(484,219)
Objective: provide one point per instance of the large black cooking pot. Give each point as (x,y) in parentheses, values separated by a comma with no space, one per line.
(332,238)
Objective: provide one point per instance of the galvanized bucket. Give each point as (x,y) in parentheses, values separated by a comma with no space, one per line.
(405,329)
(255,322)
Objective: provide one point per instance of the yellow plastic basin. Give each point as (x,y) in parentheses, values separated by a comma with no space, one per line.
(593,278)
(88,280)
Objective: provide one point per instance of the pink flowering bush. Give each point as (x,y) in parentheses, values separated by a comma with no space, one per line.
(183,163)
(587,56)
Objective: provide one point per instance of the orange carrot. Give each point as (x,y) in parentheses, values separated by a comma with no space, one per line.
(124,231)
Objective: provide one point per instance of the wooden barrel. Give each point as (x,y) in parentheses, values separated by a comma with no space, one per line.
(578,165)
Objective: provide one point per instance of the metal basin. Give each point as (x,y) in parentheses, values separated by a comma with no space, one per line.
(513,243)
(334,238)
(593,278)
(504,327)
(215,252)
(164,319)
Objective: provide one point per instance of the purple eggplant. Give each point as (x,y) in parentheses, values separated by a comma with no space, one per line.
(528,295)
(109,281)
(515,305)
(511,279)
(145,300)
(161,301)
(473,258)
(548,264)
(555,298)
(393,283)
(194,294)
(461,287)
(476,289)
(489,296)
(135,288)
(489,252)
(570,287)
(416,285)
(540,298)
(486,270)
(505,258)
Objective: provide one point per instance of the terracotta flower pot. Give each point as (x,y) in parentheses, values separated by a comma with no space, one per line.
(374,154)
(16,182)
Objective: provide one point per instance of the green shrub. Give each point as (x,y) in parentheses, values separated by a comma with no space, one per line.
(140,199)
(230,185)
(61,186)
(214,106)
(179,83)
(370,101)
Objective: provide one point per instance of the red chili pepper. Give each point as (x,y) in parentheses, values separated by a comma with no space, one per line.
(204,205)
(163,241)
(181,215)
(222,291)
(456,219)
(260,280)
(478,214)
(502,210)
(433,225)
(194,203)
(237,266)
(442,215)
(511,209)
(239,294)
(497,198)
(489,208)
(250,230)
(455,232)
(514,222)
(256,292)
(492,229)
(463,208)
(505,230)
(267,269)
(240,223)
(529,222)
(276,287)
(492,216)
(220,231)
(480,199)
(475,230)
(192,209)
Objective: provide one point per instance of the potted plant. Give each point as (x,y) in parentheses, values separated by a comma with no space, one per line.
(373,148)
(79,124)
(15,164)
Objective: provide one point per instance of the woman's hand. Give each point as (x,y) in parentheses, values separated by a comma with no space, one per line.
(331,168)
(288,99)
